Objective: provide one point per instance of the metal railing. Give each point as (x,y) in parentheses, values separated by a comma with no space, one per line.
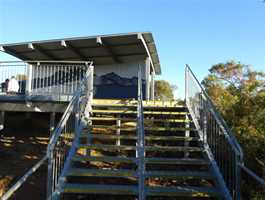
(64,140)
(224,151)
(17,70)
(220,143)
(23,179)
(56,78)
(59,79)
(140,146)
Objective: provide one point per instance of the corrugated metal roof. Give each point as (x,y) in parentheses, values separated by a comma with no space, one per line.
(101,49)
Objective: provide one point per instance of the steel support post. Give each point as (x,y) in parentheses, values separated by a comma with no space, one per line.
(2,120)
(52,123)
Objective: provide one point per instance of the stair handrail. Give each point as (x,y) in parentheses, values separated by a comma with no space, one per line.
(140,151)
(88,79)
(23,179)
(221,120)
(209,105)
(68,110)
(78,108)
(219,142)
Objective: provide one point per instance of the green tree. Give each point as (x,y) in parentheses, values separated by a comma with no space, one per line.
(163,90)
(239,94)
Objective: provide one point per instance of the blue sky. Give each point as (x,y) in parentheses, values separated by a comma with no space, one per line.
(198,32)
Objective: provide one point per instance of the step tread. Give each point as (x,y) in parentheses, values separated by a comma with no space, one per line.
(180,161)
(181,191)
(156,160)
(153,128)
(135,105)
(172,148)
(147,148)
(155,103)
(100,189)
(135,112)
(101,172)
(134,119)
(105,159)
(133,190)
(178,174)
(106,146)
(133,137)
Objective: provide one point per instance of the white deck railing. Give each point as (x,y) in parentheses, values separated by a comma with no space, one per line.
(13,69)
(43,78)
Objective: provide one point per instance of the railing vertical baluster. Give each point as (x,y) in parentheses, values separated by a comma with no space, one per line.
(75,72)
(47,79)
(65,80)
(38,78)
(72,79)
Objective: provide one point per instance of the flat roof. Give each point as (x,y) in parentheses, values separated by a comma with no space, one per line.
(101,49)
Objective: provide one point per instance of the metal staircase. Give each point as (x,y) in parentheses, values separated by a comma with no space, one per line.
(135,149)
(171,163)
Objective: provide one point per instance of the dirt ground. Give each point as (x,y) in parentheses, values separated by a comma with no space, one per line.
(23,143)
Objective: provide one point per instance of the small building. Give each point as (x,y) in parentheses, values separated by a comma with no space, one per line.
(51,69)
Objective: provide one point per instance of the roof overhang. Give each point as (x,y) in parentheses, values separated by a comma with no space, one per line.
(101,49)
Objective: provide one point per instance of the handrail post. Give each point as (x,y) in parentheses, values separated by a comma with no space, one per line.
(140,152)
(49,175)
(89,87)
(29,79)
(186,83)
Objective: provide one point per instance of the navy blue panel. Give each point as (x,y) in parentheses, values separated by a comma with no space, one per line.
(115,91)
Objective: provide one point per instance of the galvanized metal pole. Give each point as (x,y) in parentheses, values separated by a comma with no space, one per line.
(152,85)
(2,120)
(118,130)
(89,76)
(140,140)
(186,83)
(147,78)
(29,79)
(52,122)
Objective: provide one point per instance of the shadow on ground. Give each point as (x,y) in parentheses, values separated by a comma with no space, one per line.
(23,143)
